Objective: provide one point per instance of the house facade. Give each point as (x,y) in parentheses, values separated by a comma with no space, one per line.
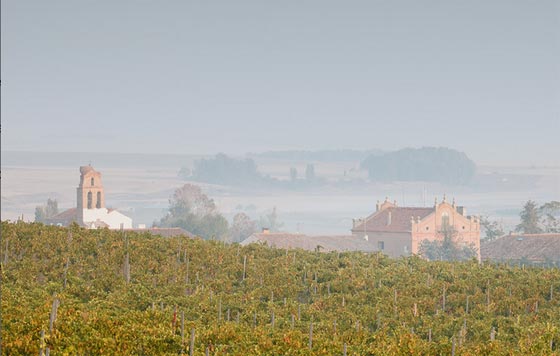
(399,231)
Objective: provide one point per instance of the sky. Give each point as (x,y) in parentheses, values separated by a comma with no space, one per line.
(201,77)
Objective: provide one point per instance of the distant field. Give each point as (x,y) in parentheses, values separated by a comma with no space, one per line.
(140,186)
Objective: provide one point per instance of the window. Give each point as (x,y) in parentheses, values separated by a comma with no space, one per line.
(92,182)
(98,204)
(89,198)
(380,245)
(445,220)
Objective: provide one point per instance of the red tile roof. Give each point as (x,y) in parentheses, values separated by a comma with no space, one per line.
(310,243)
(400,219)
(532,247)
(67,215)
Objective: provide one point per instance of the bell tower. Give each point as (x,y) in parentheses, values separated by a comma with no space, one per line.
(91,194)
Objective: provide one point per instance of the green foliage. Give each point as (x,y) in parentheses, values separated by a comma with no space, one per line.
(373,304)
(492,229)
(270,221)
(223,169)
(529,219)
(42,213)
(447,249)
(550,216)
(241,227)
(193,211)
(429,164)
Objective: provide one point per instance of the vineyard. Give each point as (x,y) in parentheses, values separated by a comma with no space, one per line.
(71,291)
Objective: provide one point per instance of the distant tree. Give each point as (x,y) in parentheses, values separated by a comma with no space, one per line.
(492,229)
(293,174)
(44,212)
(447,248)
(193,211)
(270,221)
(226,170)
(310,172)
(529,219)
(241,227)
(550,216)
(433,164)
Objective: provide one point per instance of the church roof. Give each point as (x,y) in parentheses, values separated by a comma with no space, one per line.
(66,215)
(400,219)
(86,169)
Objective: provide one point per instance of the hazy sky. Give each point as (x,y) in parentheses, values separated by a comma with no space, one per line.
(236,76)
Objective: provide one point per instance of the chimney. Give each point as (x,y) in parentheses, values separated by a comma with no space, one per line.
(388,218)
(265,230)
(377,206)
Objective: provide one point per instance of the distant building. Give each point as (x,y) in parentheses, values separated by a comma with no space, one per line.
(524,248)
(399,231)
(91,211)
(323,243)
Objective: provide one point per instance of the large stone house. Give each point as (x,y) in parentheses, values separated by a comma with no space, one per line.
(399,231)
(91,211)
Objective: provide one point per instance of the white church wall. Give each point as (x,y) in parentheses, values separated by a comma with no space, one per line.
(112,218)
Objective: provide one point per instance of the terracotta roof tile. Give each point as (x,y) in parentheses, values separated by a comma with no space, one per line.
(533,247)
(310,243)
(400,219)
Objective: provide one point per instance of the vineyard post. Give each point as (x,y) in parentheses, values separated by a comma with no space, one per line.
(551,291)
(255,319)
(237,317)
(42,343)
(443,303)
(220,309)
(453,346)
(467,307)
(344,349)
(54,310)
(493,334)
(430,335)
(488,296)
(228,314)
(187,277)
(207,352)
(182,330)
(6,253)
(191,348)
(311,335)
(244,266)
(334,326)
(272,320)
(66,271)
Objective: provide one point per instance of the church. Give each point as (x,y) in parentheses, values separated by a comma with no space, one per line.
(91,211)
(399,231)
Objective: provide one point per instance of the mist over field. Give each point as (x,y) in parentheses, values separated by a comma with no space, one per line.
(141,185)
